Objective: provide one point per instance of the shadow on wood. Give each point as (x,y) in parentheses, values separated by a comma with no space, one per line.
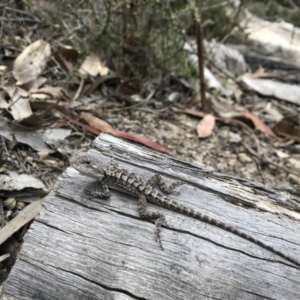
(81,248)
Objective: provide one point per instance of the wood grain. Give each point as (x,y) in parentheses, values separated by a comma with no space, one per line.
(81,248)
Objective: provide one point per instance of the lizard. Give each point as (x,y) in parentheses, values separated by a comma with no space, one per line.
(112,176)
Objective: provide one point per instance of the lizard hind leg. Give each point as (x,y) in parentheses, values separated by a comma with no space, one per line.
(144,214)
(168,189)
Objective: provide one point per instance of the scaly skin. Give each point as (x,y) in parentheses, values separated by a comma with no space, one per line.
(111,175)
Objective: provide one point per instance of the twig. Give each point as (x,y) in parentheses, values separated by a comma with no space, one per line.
(243,125)
(79,89)
(212,6)
(5,4)
(20,5)
(1,214)
(266,161)
(26,13)
(19,20)
(137,104)
(293,5)
(259,170)
(199,36)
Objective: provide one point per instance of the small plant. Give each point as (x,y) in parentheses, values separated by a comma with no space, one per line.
(135,38)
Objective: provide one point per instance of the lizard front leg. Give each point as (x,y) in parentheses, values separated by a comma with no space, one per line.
(104,194)
(157,179)
(142,206)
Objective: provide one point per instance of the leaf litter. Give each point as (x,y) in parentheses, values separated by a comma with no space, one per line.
(53,104)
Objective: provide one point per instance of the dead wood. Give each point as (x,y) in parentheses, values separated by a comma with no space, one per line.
(81,248)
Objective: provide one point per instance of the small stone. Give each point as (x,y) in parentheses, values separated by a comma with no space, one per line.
(294,178)
(223,134)
(244,158)
(234,137)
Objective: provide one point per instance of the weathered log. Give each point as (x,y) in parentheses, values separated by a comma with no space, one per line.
(82,248)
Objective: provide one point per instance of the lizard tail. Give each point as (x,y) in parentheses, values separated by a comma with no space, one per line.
(190,212)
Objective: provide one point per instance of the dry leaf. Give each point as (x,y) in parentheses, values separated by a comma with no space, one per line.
(260,125)
(189,112)
(273,112)
(144,141)
(103,70)
(281,154)
(206,126)
(273,88)
(4,257)
(13,181)
(16,101)
(48,92)
(43,155)
(295,163)
(294,178)
(26,215)
(33,84)
(93,66)
(30,137)
(66,58)
(90,89)
(32,61)
(97,123)
(3,69)
(2,160)
(287,128)
(272,35)
(21,108)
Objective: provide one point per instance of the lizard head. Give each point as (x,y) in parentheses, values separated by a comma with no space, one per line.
(88,166)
